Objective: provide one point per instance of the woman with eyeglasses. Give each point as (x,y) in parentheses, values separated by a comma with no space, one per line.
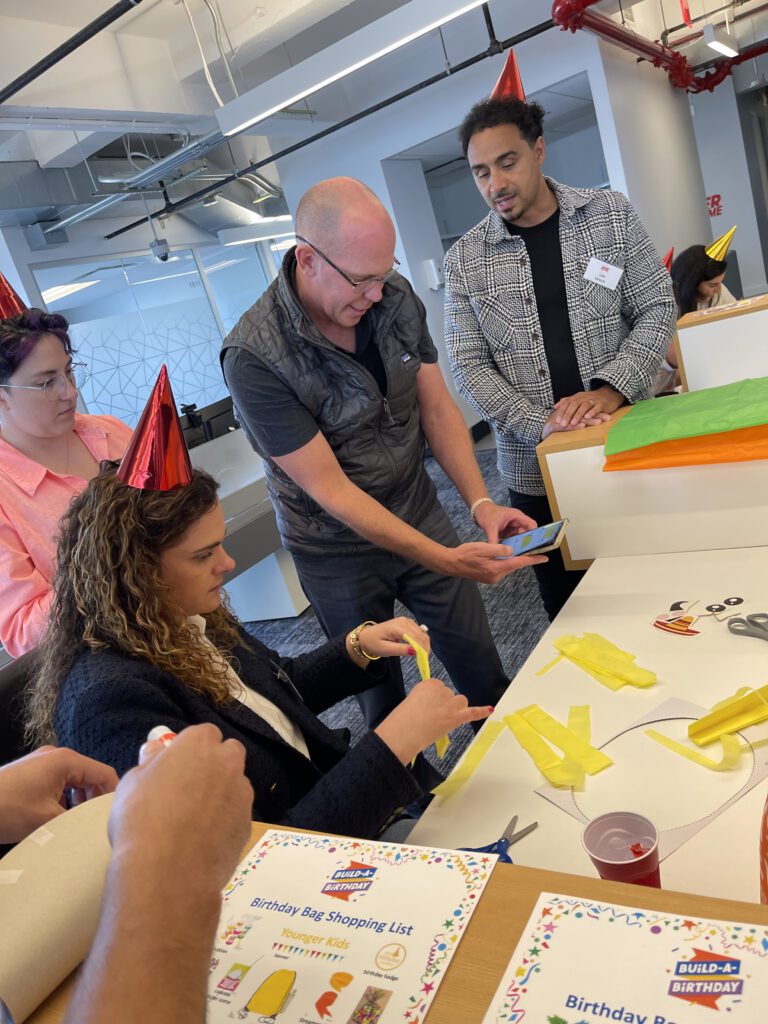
(48,453)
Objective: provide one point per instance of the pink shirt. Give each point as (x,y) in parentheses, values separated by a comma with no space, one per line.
(32,501)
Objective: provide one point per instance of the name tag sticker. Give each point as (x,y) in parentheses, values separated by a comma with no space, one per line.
(604,274)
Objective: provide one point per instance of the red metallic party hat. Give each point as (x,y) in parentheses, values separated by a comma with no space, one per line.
(10,303)
(667,261)
(157,458)
(509,84)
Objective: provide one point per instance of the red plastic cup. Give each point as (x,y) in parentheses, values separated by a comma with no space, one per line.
(624,847)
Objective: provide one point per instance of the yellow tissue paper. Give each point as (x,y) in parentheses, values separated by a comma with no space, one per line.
(604,661)
(732,751)
(746,707)
(579,722)
(468,765)
(422,663)
(531,726)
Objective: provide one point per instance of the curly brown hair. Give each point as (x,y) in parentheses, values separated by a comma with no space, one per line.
(109,592)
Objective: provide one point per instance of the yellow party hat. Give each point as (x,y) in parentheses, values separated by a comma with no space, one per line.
(719,248)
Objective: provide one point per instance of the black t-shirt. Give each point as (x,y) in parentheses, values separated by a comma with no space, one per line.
(545,253)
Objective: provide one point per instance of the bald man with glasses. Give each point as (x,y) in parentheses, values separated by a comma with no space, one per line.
(335,381)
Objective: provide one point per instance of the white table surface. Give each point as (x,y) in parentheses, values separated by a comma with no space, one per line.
(619,599)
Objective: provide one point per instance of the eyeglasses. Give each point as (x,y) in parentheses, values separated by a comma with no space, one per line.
(360,286)
(57,386)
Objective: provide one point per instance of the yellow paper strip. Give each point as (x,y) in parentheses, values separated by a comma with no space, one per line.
(745,708)
(422,658)
(550,664)
(732,751)
(468,765)
(531,724)
(579,722)
(603,660)
(546,760)
(422,663)
(583,753)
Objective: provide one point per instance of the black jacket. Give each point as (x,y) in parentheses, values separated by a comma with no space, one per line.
(109,701)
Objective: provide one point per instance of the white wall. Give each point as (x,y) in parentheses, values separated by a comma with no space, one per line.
(577,159)
(420,238)
(658,149)
(724,164)
(457,204)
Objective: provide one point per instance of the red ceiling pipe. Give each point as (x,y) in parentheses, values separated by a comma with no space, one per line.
(574,14)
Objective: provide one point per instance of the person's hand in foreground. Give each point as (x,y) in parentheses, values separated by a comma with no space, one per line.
(190,800)
(32,789)
(178,826)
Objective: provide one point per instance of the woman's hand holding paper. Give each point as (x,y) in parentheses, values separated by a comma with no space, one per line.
(430,711)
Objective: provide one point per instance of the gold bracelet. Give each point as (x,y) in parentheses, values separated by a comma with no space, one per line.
(357,647)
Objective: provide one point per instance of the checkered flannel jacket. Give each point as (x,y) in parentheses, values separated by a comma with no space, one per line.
(492,327)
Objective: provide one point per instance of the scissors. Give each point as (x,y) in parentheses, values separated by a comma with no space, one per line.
(508,837)
(755,625)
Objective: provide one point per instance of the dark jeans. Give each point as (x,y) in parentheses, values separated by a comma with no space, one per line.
(556,583)
(345,590)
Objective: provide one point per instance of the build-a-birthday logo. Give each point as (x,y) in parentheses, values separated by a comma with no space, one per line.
(349,881)
(705,978)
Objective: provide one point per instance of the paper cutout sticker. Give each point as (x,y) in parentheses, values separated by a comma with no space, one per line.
(680,626)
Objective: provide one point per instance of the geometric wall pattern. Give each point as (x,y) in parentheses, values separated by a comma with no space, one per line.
(124,354)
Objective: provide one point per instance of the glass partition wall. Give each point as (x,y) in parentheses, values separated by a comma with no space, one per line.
(129,315)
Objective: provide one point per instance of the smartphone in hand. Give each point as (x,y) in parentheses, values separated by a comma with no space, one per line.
(537,541)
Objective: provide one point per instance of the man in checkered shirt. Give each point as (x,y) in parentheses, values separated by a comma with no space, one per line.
(558,309)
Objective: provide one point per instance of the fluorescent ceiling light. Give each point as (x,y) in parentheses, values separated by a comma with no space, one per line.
(286,244)
(61,291)
(717,41)
(267,227)
(247,241)
(222,264)
(383,36)
(162,277)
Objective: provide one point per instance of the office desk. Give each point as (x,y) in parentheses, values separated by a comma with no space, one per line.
(724,344)
(648,511)
(492,934)
(619,599)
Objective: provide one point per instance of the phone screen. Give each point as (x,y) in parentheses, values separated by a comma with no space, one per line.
(532,540)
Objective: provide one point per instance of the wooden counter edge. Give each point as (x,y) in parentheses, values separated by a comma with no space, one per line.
(709,316)
(496,925)
(567,441)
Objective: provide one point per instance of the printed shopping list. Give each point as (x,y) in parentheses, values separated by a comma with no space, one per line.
(580,962)
(319,929)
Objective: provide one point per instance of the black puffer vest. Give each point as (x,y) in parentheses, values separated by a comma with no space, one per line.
(378,441)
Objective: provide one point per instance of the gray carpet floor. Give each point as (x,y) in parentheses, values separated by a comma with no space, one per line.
(515,613)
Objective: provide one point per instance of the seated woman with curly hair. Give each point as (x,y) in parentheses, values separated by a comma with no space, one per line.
(139,637)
